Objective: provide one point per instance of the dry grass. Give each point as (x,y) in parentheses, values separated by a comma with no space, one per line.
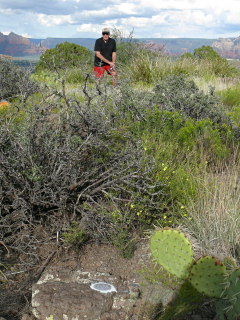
(218,83)
(214,219)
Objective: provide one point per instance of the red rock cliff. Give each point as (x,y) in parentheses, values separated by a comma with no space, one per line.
(228,47)
(16,46)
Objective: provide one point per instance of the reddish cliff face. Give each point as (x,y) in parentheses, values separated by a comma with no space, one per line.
(15,39)
(228,47)
(16,46)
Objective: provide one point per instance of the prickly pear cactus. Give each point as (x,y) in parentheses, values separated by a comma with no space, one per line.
(208,276)
(173,251)
(232,291)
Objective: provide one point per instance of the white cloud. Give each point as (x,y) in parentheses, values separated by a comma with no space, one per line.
(148,18)
(94,13)
(7,12)
(52,20)
(136,22)
(233,17)
(127,8)
(88,27)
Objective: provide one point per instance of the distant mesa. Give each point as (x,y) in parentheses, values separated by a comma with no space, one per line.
(228,47)
(17,46)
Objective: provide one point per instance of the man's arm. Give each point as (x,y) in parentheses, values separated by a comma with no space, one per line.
(114,57)
(100,56)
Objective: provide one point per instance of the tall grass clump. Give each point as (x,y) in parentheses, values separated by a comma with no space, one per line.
(215,214)
(231,96)
(148,66)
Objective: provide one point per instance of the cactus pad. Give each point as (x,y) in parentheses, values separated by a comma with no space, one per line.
(208,276)
(233,290)
(173,251)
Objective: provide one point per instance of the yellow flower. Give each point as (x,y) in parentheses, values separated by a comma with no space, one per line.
(132,206)
(182,207)
(165,217)
(165,168)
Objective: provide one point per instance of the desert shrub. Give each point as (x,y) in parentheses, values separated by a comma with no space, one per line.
(68,154)
(65,55)
(15,81)
(179,93)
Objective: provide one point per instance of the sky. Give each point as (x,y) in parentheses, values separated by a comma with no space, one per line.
(41,19)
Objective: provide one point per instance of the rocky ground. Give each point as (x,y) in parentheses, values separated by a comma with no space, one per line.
(64,291)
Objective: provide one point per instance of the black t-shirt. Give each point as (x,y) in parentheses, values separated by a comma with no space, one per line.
(106,49)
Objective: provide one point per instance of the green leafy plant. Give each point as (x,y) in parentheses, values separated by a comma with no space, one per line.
(75,236)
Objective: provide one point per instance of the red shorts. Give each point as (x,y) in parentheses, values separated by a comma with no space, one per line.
(99,71)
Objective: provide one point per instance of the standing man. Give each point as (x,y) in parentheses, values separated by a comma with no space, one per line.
(105,56)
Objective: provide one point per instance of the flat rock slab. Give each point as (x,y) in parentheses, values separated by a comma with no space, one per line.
(64,291)
(69,301)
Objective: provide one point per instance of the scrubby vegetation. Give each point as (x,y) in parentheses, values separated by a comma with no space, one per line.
(84,161)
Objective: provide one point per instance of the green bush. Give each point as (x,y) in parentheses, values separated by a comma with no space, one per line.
(220,66)
(206,52)
(65,55)
(231,99)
